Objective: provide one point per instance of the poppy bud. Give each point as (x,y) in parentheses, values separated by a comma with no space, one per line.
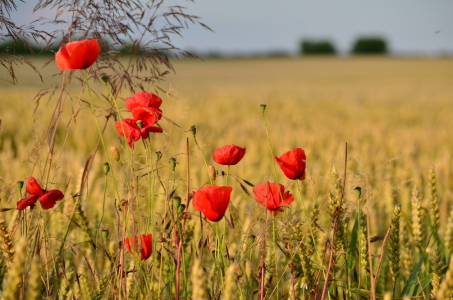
(158,155)
(181,208)
(106,167)
(114,153)
(20,185)
(176,202)
(193,129)
(358,191)
(251,239)
(263,107)
(211,172)
(105,78)
(105,233)
(173,163)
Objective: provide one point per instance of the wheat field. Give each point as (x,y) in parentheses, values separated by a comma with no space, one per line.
(384,122)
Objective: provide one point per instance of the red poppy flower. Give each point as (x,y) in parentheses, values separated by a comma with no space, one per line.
(149,115)
(46,198)
(146,245)
(212,201)
(133,133)
(228,155)
(272,196)
(143,99)
(77,55)
(293,163)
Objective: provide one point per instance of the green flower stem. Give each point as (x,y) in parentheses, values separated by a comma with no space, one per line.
(272,151)
(227,176)
(204,158)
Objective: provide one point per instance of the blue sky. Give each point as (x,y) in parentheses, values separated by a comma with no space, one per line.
(251,26)
(410,26)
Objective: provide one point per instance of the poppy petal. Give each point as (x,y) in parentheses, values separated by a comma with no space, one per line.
(147,245)
(29,201)
(149,115)
(143,99)
(293,163)
(50,198)
(212,201)
(33,187)
(146,129)
(272,196)
(128,128)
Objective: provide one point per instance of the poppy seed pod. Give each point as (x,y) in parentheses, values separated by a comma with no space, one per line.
(193,129)
(20,184)
(358,191)
(176,201)
(158,155)
(106,168)
(173,163)
(114,153)
(211,172)
(181,208)
(105,233)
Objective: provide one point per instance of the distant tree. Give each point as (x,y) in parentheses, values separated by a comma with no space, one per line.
(23,47)
(317,47)
(370,45)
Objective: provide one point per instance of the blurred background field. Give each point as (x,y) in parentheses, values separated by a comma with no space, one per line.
(395,114)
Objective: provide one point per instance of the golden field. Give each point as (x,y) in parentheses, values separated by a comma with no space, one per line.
(390,111)
(394,113)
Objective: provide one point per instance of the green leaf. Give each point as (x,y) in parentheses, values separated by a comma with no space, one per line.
(409,288)
(353,245)
(423,284)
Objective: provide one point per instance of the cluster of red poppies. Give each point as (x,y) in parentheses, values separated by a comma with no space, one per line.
(213,201)
(145,111)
